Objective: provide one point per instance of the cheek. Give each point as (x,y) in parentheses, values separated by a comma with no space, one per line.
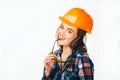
(71,38)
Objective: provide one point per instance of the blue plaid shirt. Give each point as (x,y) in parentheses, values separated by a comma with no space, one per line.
(78,67)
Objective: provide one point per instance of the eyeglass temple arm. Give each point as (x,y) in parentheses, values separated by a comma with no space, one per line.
(54,45)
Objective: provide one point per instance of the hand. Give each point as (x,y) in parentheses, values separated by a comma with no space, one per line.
(49,62)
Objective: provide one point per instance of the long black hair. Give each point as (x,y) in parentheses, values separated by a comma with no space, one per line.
(79,42)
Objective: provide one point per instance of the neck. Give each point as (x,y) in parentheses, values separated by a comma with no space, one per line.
(67,49)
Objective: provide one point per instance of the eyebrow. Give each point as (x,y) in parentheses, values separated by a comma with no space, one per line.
(66,28)
(69,29)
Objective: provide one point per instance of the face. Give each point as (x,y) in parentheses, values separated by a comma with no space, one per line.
(66,34)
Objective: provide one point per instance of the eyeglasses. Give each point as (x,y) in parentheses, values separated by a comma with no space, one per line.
(68,61)
(55,57)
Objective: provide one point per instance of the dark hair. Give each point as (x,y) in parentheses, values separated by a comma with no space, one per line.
(77,43)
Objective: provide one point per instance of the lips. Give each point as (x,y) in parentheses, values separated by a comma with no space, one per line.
(61,38)
(62,41)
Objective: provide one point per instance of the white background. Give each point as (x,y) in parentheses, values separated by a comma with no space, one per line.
(27,32)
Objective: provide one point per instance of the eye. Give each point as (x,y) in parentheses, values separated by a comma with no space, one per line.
(69,31)
(62,26)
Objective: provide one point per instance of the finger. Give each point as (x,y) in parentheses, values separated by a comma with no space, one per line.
(52,56)
(49,62)
(49,58)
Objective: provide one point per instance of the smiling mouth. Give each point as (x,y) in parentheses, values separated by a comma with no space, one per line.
(61,39)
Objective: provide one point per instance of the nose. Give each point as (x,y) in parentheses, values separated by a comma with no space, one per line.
(61,33)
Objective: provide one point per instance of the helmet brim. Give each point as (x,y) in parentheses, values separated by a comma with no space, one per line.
(64,20)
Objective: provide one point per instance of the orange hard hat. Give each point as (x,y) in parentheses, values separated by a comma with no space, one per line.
(79,18)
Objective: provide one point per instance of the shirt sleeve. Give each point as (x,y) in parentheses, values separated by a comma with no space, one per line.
(52,74)
(86,68)
(44,77)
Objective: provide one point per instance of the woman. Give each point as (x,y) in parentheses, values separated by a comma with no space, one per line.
(71,61)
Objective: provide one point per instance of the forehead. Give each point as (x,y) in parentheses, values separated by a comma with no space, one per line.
(69,27)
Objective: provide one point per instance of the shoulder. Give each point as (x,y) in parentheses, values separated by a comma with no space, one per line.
(80,54)
(83,58)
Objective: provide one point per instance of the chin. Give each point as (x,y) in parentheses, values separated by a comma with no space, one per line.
(63,43)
